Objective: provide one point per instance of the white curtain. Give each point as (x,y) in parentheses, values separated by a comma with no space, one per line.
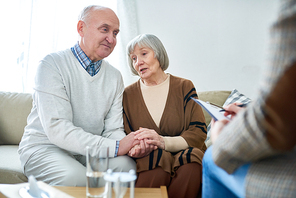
(35,28)
(127,13)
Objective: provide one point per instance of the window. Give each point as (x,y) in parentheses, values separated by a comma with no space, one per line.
(32,29)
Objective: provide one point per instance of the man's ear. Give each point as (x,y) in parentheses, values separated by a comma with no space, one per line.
(80,27)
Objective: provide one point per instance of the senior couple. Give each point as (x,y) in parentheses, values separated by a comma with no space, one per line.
(159,132)
(77,102)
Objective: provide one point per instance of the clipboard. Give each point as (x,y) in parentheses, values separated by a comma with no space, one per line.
(212,110)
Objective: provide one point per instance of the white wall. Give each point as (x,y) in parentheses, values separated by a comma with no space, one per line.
(218,44)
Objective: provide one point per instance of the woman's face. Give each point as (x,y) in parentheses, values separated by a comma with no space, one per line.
(145,63)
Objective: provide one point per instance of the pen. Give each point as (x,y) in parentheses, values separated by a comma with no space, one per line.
(215,105)
(241,105)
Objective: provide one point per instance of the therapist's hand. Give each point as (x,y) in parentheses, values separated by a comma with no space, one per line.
(216,128)
(232,109)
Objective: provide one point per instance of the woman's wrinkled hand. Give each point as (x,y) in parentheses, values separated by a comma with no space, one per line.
(151,137)
(141,150)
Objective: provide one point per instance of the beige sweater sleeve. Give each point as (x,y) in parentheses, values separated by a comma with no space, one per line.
(174,144)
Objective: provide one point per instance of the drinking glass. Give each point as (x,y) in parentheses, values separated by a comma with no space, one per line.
(120,187)
(121,181)
(96,167)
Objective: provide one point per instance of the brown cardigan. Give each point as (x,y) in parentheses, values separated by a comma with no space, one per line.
(181,117)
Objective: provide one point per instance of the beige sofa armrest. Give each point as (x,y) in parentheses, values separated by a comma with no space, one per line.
(14,110)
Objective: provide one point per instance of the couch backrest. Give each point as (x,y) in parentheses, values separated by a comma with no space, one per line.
(14,110)
(217,97)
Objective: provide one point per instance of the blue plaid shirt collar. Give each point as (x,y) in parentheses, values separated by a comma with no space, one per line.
(86,63)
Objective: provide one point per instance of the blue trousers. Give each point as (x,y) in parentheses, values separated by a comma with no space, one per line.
(218,183)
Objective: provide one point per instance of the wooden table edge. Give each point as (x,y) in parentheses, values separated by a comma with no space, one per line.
(164,192)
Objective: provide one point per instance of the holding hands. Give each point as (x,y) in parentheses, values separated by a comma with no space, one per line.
(149,140)
(127,143)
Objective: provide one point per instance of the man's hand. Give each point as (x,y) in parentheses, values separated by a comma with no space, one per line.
(127,143)
(141,150)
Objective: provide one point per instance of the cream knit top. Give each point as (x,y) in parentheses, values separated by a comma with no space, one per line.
(155,98)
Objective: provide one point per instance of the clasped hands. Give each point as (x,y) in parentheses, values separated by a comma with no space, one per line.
(146,141)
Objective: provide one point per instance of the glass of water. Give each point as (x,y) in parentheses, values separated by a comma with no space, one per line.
(97,163)
(120,187)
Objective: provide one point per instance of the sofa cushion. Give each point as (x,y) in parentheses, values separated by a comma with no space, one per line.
(14,110)
(10,165)
(217,97)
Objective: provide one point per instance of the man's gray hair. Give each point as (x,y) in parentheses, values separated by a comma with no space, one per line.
(86,12)
(152,42)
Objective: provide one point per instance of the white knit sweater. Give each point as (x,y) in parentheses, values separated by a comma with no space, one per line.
(73,110)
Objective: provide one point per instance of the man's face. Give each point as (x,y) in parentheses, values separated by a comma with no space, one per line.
(98,33)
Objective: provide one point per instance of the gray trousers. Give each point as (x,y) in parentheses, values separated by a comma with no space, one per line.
(58,167)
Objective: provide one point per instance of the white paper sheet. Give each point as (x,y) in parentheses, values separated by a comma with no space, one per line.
(212,110)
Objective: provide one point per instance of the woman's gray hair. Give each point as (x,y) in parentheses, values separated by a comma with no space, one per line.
(152,42)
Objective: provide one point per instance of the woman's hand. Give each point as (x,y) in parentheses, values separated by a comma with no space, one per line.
(151,137)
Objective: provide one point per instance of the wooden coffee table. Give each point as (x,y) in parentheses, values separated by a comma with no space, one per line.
(80,192)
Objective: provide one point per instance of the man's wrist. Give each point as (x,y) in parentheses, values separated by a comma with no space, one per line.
(116,148)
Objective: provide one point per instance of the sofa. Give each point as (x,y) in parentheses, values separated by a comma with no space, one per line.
(14,109)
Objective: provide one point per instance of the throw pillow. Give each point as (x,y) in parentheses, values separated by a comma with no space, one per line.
(235,96)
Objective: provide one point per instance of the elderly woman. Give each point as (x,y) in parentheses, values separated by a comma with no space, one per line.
(170,126)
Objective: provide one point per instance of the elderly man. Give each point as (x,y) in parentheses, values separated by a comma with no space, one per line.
(77,102)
